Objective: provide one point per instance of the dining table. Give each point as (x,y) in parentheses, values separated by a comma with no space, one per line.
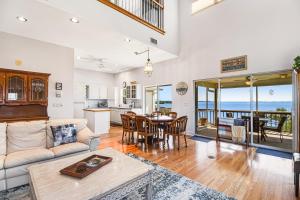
(159,119)
(262,122)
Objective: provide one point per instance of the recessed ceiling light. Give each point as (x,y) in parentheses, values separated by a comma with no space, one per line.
(22,19)
(128,40)
(74,20)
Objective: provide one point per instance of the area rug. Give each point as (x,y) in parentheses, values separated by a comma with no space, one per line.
(276,153)
(200,138)
(167,185)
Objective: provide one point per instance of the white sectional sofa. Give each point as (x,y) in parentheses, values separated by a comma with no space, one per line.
(26,143)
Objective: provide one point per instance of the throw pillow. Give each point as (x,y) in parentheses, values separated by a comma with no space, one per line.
(64,134)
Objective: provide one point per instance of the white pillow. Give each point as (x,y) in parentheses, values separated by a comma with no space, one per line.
(26,135)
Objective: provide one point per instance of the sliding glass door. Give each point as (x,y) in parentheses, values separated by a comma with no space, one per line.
(158,98)
(263,100)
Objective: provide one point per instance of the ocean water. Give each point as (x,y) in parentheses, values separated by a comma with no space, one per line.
(262,105)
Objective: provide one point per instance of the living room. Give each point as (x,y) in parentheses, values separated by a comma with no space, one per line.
(125,91)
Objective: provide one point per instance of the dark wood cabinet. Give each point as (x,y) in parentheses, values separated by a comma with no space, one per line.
(16,88)
(23,95)
(2,88)
(38,89)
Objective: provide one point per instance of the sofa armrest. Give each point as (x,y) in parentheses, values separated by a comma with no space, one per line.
(87,137)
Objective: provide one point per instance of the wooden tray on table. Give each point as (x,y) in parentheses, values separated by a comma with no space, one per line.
(86,166)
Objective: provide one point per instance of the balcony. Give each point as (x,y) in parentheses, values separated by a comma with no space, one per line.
(148,12)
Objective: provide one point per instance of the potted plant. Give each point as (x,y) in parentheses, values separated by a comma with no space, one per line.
(296,65)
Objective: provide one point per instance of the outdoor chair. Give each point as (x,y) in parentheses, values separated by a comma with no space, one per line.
(277,129)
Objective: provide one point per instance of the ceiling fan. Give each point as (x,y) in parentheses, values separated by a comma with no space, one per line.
(100,62)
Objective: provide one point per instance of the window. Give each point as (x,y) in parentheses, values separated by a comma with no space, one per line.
(198,5)
(158,98)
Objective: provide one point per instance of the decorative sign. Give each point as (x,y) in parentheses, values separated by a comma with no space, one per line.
(58,86)
(234,64)
(181,88)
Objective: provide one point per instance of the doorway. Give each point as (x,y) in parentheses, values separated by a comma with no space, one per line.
(265,100)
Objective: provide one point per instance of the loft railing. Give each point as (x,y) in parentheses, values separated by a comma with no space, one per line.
(147,12)
(272,116)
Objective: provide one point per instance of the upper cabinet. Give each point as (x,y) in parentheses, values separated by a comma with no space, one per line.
(16,88)
(133,91)
(38,89)
(103,92)
(2,88)
(97,92)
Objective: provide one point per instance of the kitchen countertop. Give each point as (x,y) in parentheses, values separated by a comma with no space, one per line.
(97,109)
(124,108)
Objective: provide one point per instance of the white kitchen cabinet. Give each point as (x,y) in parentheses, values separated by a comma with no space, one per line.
(93,91)
(103,92)
(139,91)
(97,92)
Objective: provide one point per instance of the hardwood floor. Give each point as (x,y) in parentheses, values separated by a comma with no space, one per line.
(238,172)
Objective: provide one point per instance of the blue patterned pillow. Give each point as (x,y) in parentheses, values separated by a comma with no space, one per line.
(64,134)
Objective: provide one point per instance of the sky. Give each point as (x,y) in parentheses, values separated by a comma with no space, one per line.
(266,93)
(165,93)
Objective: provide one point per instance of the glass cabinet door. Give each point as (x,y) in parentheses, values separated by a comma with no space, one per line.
(133,91)
(2,87)
(38,89)
(16,87)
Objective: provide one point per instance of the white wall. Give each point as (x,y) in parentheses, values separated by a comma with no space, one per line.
(265,30)
(42,57)
(94,77)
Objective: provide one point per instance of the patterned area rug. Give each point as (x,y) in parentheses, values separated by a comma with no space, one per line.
(167,185)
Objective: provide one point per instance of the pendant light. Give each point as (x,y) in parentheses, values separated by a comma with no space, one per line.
(148,69)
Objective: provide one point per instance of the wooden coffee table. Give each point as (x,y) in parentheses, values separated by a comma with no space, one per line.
(115,180)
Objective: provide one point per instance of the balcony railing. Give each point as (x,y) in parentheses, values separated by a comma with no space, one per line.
(272,116)
(147,12)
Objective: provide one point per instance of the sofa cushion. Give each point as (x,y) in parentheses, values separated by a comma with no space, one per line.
(69,149)
(27,156)
(79,124)
(3,138)
(26,135)
(2,159)
(64,134)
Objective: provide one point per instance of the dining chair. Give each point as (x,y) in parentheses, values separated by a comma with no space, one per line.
(146,128)
(176,128)
(156,113)
(172,114)
(131,113)
(277,129)
(128,127)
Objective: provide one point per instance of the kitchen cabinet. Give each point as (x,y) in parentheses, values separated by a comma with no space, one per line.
(138,91)
(133,91)
(116,114)
(114,95)
(103,92)
(93,91)
(97,92)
